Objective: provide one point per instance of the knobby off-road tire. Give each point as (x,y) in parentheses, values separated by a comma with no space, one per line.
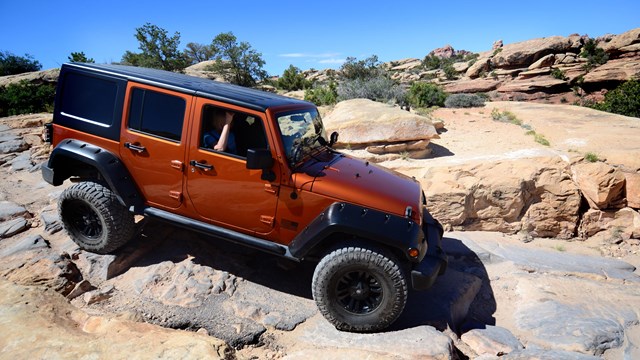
(359,289)
(94,218)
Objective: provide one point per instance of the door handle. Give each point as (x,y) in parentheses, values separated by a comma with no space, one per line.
(201,166)
(138,148)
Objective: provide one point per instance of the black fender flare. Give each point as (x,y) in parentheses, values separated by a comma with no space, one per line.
(372,225)
(113,171)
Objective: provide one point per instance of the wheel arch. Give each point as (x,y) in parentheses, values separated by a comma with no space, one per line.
(344,224)
(78,158)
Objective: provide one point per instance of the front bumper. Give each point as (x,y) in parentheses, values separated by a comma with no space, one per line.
(434,263)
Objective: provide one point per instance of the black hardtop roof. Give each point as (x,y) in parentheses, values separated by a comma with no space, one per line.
(233,94)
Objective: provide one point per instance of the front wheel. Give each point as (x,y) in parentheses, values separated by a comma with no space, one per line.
(359,289)
(94,218)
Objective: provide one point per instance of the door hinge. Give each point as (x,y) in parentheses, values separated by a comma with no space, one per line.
(265,219)
(271,189)
(175,195)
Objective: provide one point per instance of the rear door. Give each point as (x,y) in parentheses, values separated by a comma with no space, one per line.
(221,189)
(153,142)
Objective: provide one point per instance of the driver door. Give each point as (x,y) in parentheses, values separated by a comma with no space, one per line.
(221,189)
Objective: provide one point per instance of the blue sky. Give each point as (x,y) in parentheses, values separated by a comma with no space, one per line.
(311,34)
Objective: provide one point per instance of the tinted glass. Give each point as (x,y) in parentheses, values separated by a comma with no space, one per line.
(89,98)
(157,114)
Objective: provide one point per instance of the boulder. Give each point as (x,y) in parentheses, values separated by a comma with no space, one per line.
(201,70)
(621,225)
(10,210)
(601,184)
(497,44)
(444,52)
(544,61)
(615,70)
(492,340)
(528,52)
(364,123)
(632,186)
(481,65)
(539,83)
(620,41)
(404,64)
(11,227)
(36,77)
(536,196)
(471,86)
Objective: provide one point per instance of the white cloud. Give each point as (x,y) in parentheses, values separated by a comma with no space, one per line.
(332,61)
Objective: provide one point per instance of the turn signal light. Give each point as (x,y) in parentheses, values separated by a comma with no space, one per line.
(413,252)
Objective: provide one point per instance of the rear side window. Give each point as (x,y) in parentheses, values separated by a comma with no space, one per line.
(156,113)
(89,102)
(89,98)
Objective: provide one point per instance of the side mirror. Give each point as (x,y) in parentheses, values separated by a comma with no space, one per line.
(259,159)
(333,138)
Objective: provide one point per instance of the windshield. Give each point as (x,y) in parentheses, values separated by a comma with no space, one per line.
(300,131)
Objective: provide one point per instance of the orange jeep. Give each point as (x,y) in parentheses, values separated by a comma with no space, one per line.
(243,165)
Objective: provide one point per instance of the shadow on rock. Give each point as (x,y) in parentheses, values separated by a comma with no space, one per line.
(159,242)
(461,299)
(439,151)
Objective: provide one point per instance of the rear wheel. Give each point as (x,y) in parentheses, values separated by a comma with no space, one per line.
(94,218)
(359,289)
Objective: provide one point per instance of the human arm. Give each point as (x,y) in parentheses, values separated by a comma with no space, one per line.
(221,145)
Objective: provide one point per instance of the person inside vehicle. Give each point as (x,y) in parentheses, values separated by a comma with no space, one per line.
(220,137)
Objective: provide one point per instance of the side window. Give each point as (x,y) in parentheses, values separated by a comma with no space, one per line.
(156,113)
(245,131)
(89,98)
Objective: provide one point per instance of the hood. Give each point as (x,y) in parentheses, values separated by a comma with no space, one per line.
(359,182)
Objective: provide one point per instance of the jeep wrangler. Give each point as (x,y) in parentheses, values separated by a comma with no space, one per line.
(132,142)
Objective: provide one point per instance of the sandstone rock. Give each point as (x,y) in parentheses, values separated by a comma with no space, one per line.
(555,202)
(536,84)
(36,77)
(632,189)
(481,65)
(80,288)
(363,123)
(460,66)
(527,52)
(492,340)
(200,70)
(471,86)
(51,220)
(497,44)
(544,61)
(614,70)
(538,197)
(601,184)
(11,227)
(404,64)
(619,41)
(12,145)
(444,52)
(65,332)
(95,296)
(533,73)
(621,225)
(319,339)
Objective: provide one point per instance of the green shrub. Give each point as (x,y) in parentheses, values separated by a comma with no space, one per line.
(424,94)
(26,98)
(463,101)
(378,89)
(591,157)
(292,79)
(558,74)
(322,95)
(624,100)
(361,69)
(80,57)
(595,55)
(505,116)
(431,62)
(11,64)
